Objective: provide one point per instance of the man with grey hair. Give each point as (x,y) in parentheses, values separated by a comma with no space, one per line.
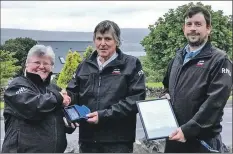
(33,108)
(109,82)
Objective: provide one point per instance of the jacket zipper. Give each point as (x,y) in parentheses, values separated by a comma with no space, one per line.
(178,74)
(98,92)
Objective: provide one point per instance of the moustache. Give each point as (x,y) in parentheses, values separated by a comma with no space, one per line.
(191,34)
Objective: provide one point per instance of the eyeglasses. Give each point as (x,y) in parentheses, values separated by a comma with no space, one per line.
(37,64)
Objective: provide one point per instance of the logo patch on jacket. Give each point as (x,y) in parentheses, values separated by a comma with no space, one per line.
(200,63)
(116,71)
(226,71)
(140,72)
(21,90)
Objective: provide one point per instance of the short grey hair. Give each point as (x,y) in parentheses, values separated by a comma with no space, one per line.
(41,50)
(109,26)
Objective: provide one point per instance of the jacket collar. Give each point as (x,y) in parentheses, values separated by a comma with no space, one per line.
(118,61)
(35,78)
(205,51)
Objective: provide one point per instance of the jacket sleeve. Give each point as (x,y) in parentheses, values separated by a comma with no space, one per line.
(28,104)
(127,106)
(166,78)
(218,93)
(73,87)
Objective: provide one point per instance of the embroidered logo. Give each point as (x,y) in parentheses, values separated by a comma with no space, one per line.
(200,63)
(226,71)
(116,71)
(21,90)
(140,72)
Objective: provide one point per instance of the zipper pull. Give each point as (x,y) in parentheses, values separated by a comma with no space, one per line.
(99,80)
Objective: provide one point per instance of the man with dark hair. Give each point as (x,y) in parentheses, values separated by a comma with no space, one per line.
(109,82)
(198,82)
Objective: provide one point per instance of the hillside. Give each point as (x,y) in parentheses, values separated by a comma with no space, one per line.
(131,35)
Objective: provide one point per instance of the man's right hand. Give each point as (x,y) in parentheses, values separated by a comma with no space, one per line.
(167,96)
(66,98)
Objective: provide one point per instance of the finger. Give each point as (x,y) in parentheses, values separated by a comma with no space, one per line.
(89,115)
(167,96)
(72,125)
(65,121)
(91,120)
(176,137)
(181,140)
(163,97)
(173,134)
(63,91)
(76,124)
(69,99)
(65,103)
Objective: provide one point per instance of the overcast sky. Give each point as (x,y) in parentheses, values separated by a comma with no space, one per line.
(85,15)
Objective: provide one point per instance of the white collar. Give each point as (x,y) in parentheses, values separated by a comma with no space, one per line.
(102,65)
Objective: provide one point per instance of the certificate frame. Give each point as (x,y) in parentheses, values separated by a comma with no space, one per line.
(154,132)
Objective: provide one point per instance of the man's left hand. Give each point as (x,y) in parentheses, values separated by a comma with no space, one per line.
(177,135)
(93,117)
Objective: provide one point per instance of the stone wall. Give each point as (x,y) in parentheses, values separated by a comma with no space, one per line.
(140,146)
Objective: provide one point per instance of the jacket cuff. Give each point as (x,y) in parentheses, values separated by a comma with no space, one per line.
(191,129)
(102,114)
(57,95)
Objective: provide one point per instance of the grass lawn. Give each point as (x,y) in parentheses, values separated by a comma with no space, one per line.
(154,84)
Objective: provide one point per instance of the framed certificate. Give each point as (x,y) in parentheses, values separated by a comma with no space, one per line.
(158,118)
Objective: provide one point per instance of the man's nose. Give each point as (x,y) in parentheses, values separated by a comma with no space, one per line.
(103,42)
(193,27)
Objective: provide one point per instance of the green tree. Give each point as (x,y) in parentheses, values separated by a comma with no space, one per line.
(88,52)
(7,66)
(73,59)
(166,36)
(20,46)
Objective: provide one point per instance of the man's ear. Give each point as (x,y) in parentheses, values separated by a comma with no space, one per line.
(209,28)
(183,28)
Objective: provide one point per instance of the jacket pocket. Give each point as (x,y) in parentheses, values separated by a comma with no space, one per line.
(114,83)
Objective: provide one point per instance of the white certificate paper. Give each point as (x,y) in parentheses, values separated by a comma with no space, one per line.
(157,118)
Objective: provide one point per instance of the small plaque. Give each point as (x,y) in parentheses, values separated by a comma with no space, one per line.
(76,113)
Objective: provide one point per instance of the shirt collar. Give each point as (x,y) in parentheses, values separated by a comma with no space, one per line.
(101,66)
(194,51)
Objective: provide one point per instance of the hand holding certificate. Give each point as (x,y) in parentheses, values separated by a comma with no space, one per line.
(157,118)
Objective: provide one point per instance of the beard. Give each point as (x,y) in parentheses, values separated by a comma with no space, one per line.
(194,40)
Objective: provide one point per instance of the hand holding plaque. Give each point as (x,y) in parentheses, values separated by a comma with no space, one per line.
(76,113)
